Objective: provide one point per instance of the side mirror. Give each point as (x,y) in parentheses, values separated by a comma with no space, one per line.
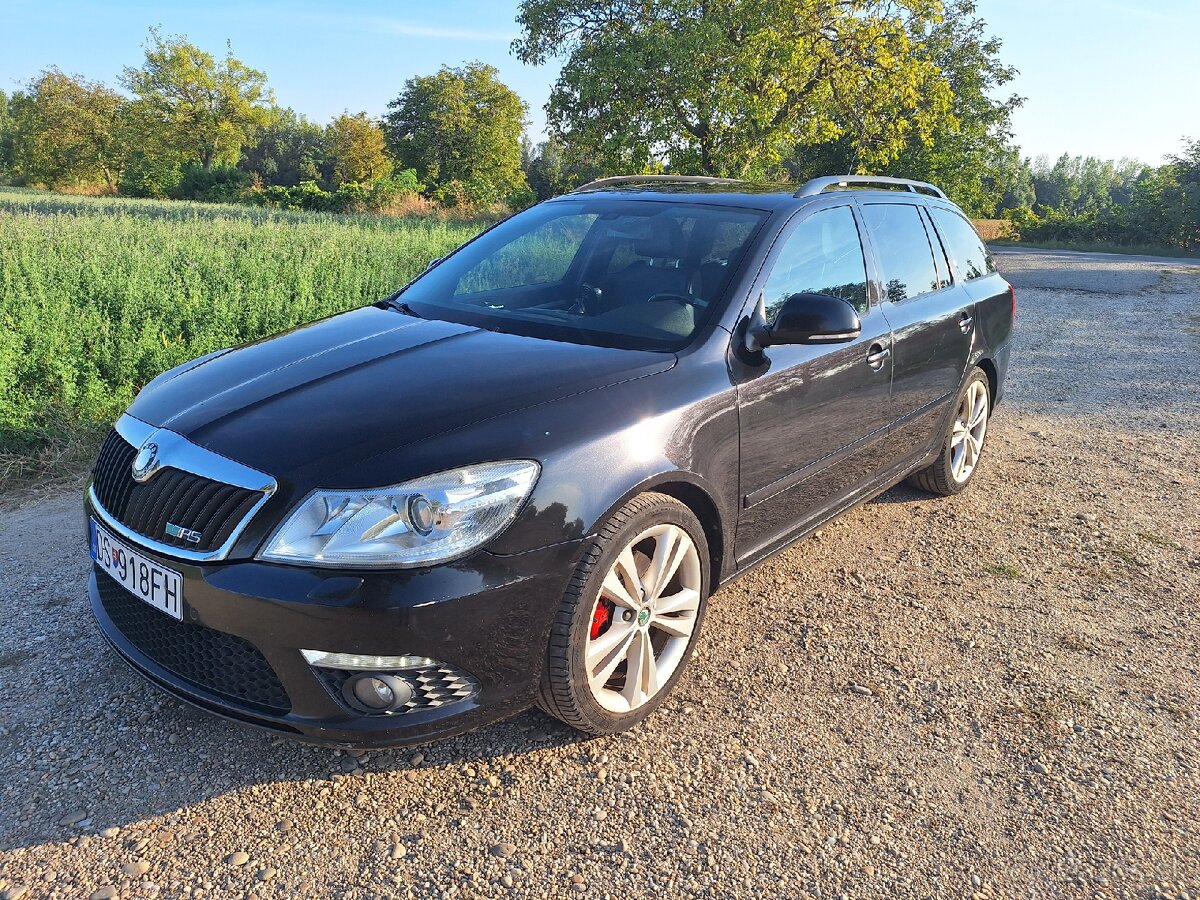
(808,319)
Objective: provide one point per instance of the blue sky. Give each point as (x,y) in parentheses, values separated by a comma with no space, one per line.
(1110,78)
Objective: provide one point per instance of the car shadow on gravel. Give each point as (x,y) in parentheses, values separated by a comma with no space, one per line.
(143,755)
(902,493)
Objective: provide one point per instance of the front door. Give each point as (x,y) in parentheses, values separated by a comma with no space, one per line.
(812,416)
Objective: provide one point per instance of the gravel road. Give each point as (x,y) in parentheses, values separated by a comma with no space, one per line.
(991,695)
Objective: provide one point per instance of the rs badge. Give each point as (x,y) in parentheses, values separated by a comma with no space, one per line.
(187,534)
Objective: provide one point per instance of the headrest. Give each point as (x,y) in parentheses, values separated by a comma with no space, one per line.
(660,238)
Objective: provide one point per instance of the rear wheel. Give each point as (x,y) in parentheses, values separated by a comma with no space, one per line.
(962,445)
(630,618)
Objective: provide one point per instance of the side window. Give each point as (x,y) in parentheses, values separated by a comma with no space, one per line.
(822,256)
(968,253)
(541,256)
(902,248)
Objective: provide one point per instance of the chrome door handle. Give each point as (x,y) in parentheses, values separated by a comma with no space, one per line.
(965,321)
(877,356)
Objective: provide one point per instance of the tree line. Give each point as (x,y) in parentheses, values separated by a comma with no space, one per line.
(189,125)
(756,89)
(1076,199)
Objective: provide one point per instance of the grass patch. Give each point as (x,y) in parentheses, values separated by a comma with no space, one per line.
(100,295)
(1072,642)
(1046,710)
(1123,553)
(1158,540)
(1003,570)
(54,462)
(1099,247)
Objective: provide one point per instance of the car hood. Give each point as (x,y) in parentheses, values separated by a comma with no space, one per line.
(316,399)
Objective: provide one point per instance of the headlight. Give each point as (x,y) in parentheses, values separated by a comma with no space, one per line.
(421,522)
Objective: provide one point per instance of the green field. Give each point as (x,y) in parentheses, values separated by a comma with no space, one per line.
(98,296)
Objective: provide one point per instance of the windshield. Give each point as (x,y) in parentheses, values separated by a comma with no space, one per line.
(635,274)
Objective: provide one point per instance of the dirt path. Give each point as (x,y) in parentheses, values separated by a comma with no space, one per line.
(995,693)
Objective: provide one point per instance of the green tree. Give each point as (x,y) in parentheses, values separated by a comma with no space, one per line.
(461,130)
(71,131)
(730,87)
(287,150)
(965,153)
(1017,179)
(208,110)
(1088,200)
(356,150)
(1077,185)
(1165,202)
(545,168)
(8,136)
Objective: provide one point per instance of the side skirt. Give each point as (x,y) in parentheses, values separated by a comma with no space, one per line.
(885,483)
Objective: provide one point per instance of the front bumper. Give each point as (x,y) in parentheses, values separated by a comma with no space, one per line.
(487,616)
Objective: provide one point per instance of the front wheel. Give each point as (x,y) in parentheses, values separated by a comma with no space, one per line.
(962,445)
(630,618)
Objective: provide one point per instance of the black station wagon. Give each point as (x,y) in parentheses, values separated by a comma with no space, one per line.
(518,479)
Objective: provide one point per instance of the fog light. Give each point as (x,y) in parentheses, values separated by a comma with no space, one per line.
(377,693)
(354,661)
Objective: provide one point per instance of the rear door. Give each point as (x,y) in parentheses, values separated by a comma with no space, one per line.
(975,271)
(932,321)
(813,417)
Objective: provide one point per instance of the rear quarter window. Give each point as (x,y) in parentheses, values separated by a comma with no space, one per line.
(968,254)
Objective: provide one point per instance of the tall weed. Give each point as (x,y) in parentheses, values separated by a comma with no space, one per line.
(97,296)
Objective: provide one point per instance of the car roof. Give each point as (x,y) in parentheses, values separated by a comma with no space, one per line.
(754,195)
(758,196)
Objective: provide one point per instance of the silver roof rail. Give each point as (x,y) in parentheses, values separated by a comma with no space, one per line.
(634,179)
(820,185)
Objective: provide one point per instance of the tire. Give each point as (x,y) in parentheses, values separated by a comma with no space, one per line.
(631,540)
(952,471)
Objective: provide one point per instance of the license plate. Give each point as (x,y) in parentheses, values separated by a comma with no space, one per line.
(157,585)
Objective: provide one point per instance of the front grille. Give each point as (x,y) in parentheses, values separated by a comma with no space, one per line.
(432,686)
(217,662)
(190,501)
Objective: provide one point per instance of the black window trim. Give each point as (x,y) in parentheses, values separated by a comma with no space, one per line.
(935,235)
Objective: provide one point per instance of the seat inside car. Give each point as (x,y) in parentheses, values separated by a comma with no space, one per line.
(661,245)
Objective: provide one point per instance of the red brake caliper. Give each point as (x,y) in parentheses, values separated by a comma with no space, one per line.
(601,616)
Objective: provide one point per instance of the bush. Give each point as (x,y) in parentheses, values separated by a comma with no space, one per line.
(387,193)
(473,194)
(149,175)
(307,195)
(220,184)
(351,196)
(521,198)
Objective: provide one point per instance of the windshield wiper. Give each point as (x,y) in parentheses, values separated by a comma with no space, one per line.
(401,306)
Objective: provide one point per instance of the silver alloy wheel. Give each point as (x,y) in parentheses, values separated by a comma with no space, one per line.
(647,606)
(970,427)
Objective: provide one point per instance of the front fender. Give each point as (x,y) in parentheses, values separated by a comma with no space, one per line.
(676,431)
